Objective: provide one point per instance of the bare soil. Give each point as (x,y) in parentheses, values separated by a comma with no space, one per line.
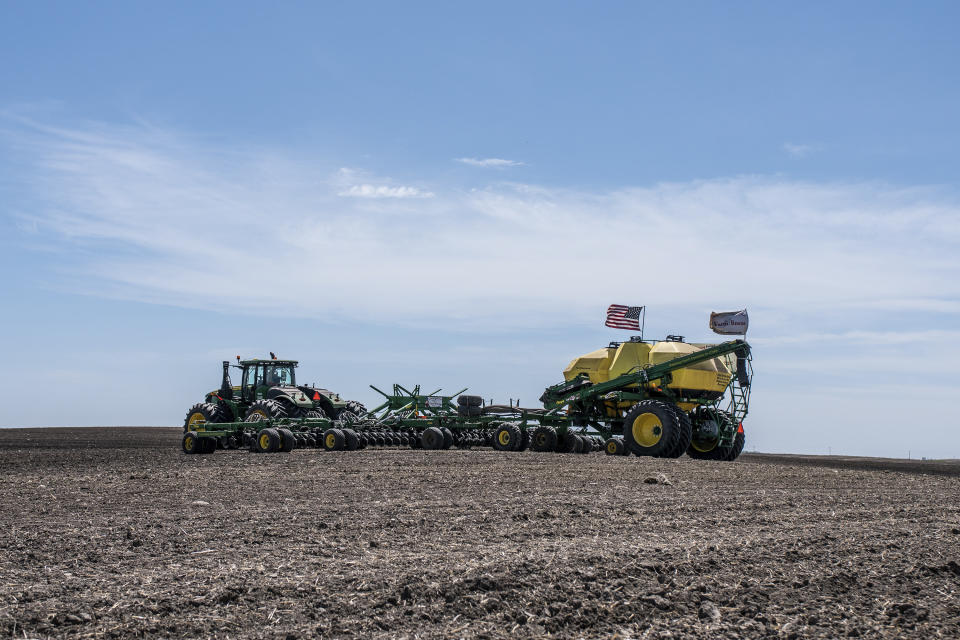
(116,533)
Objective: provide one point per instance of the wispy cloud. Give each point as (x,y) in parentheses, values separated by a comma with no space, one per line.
(384,191)
(490,163)
(152,215)
(799,150)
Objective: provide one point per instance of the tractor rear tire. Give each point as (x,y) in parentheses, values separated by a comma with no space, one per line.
(447,437)
(266,410)
(651,428)
(313,414)
(268,441)
(206,412)
(432,438)
(352,439)
(356,408)
(544,439)
(287,441)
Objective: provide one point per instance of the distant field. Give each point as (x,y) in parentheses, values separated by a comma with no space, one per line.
(114,532)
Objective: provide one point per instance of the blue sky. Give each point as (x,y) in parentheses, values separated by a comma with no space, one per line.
(452,195)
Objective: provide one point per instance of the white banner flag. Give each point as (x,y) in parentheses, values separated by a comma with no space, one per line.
(730,322)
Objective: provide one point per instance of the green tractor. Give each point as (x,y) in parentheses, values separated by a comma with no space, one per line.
(268,391)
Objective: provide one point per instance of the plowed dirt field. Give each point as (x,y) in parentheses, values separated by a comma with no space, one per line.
(116,533)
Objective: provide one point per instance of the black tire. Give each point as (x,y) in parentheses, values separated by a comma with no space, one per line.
(569,443)
(614,447)
(352,440)
(739,441)
(190,443)
(524,439)
(334,440)
(265,410)
(469,411)
(544,439)
(587,444)
(268,441)
(356,408)
(469,401)
(204,412)
(287,441)
(209,445)
(685,426)
(651,428)
(447,437)
(313,414)
(432,438)
(506,438)
(705,443)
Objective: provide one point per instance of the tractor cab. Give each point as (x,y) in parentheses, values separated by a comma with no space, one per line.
(259,376)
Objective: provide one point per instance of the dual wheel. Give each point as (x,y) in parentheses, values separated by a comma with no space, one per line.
(660,429)
(436,438)
(337,439)
(272,440)
(546,439)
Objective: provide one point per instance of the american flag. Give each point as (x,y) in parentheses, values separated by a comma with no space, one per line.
(621,317)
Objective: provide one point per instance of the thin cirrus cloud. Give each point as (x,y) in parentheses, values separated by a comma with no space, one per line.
(490,163)
(800,150)
(384,191)
(495,255)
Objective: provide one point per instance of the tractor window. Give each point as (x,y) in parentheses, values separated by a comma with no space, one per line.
(250,377)
(281,375)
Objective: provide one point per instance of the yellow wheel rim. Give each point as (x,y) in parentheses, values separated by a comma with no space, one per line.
(188,443)
(504,437)
(195,418)
(705,446)
(264,441)
(647,430)
(331,441)
(612,447)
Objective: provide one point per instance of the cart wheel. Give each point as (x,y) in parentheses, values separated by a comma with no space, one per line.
(268,440)
(287,441)
(190,442)
(431,438)
(651,428)
(334,440)
(447,437)
(352,440)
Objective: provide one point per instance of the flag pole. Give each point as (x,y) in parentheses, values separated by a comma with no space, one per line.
(643,323)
